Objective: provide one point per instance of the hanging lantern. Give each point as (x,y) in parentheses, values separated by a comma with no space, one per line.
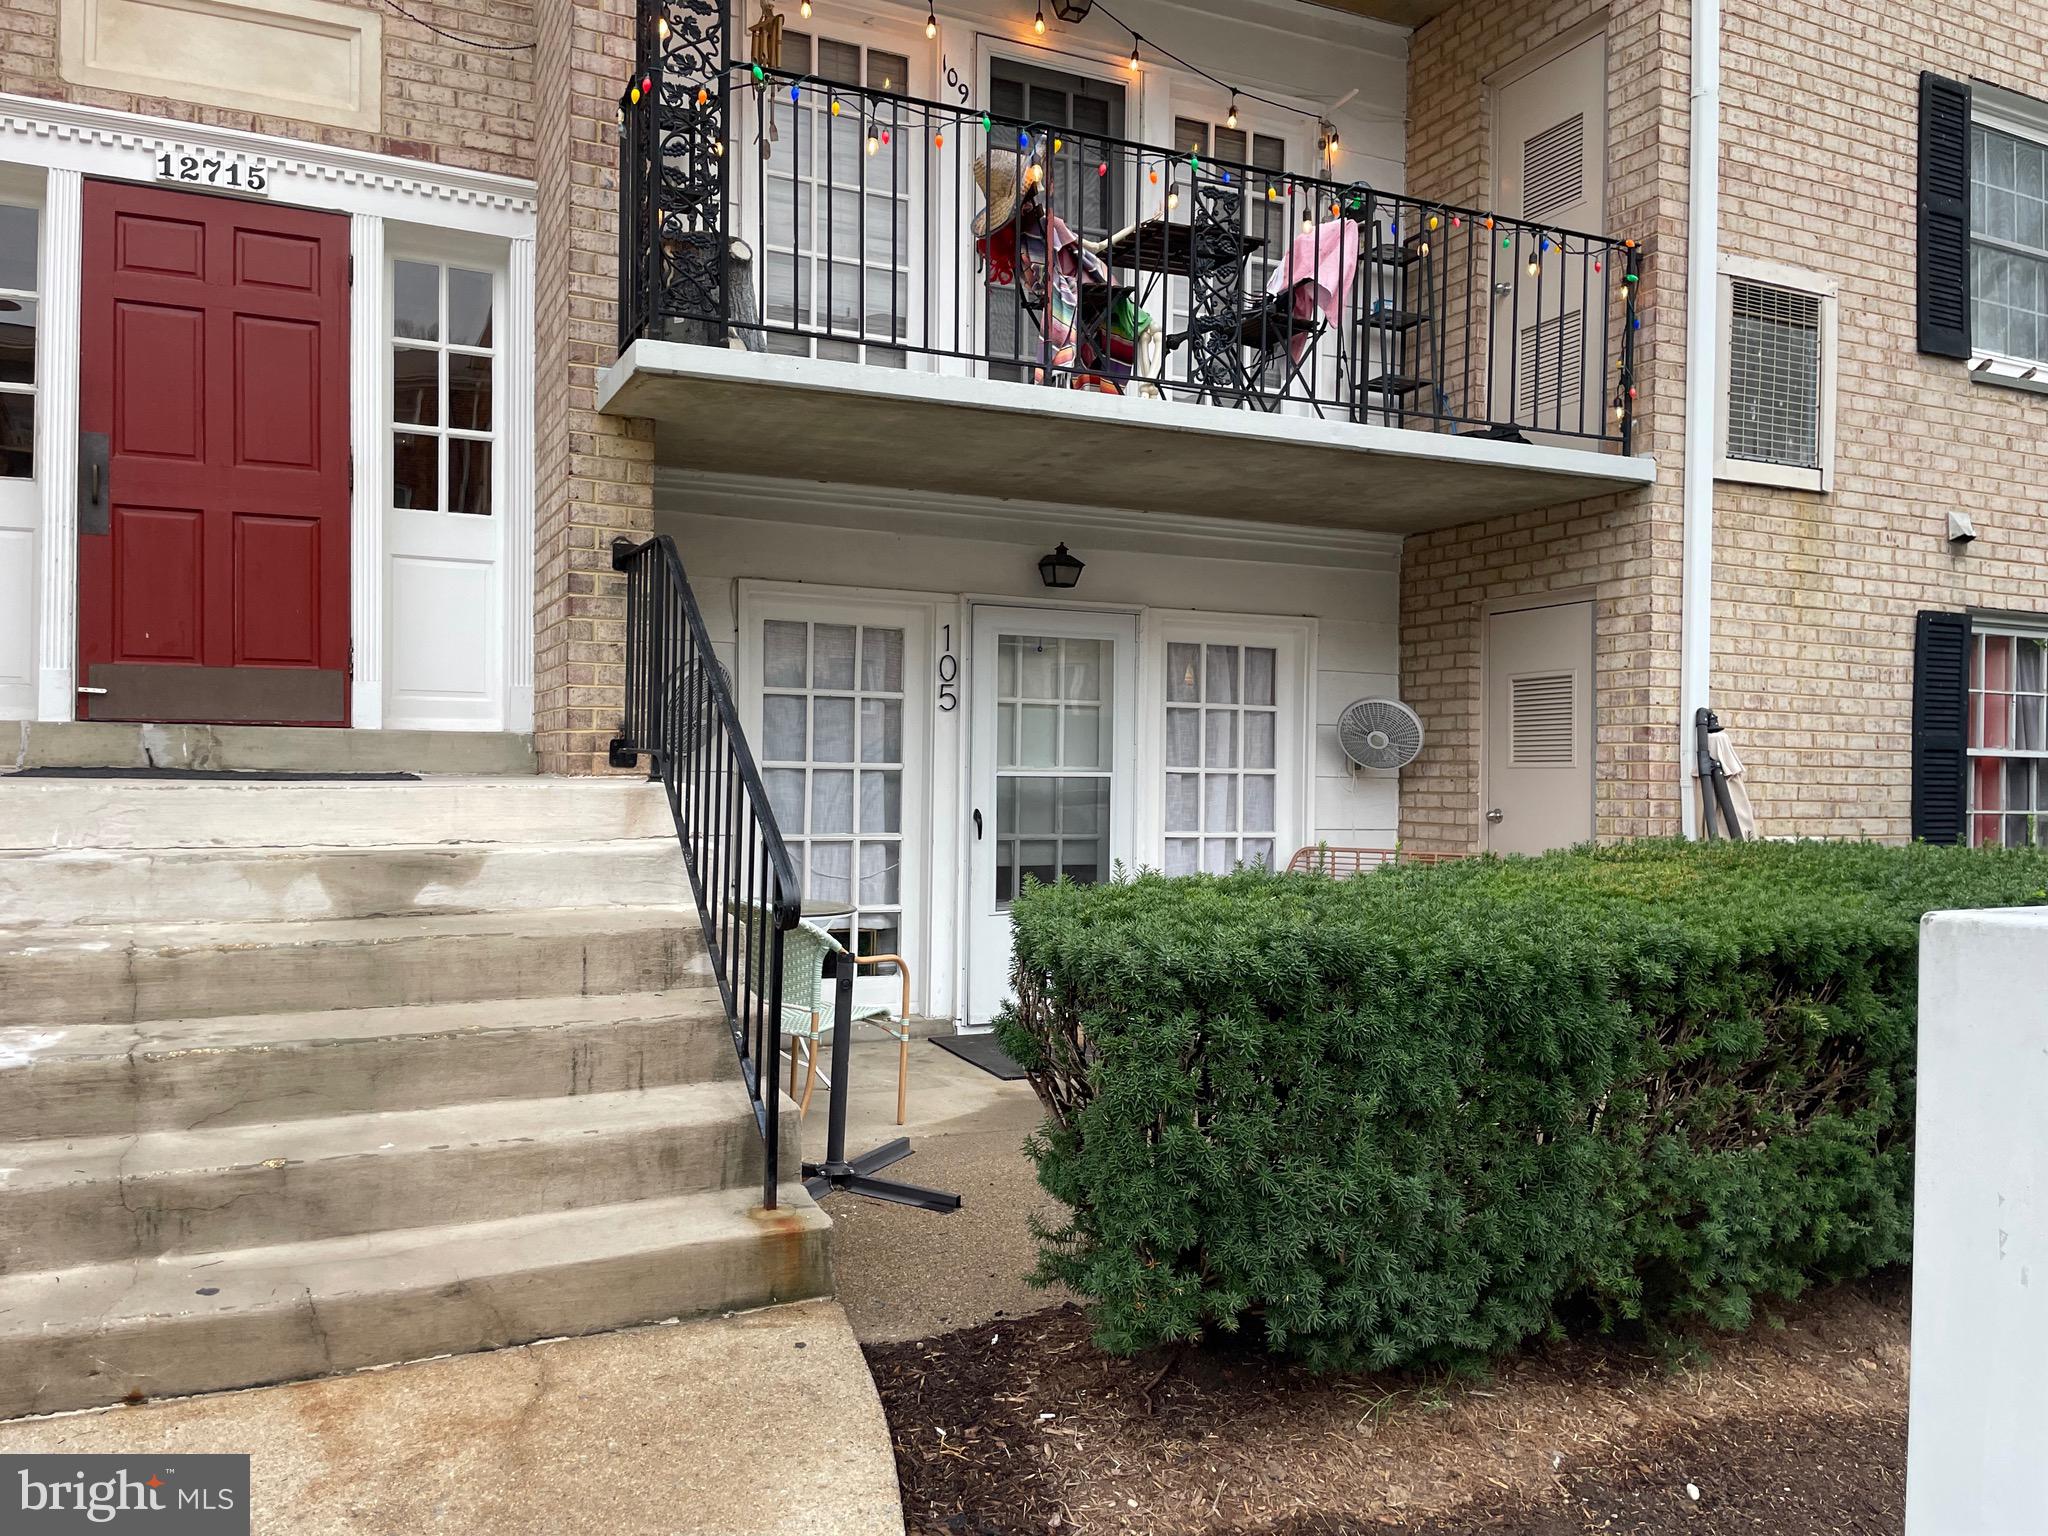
(1071,11)
(1060,570)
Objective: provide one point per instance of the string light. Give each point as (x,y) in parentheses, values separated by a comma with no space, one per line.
(661,25)
(1172,199)
(931,21)
(873,142)
(1231,121)
(804,10)
(1102,168)
(1135,40)
(938,141)
(835,106)
(1038,22)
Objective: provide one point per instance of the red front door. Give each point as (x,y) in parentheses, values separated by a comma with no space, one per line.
(213,545)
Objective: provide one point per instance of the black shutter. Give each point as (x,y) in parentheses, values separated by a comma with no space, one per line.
(1944,216)
(1941,725)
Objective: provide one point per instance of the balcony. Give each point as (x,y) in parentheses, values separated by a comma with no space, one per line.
(832,281)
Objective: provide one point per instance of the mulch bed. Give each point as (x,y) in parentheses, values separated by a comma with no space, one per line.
(1024,1427)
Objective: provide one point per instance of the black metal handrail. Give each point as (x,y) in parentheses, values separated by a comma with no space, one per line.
(1235,284)
(680,716)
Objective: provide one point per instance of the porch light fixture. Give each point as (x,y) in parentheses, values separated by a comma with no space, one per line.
(1059,570)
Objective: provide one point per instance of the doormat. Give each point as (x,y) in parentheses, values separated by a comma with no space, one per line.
(983,1051)
(252,776)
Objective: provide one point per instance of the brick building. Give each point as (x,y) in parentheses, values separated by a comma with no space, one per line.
(859,306)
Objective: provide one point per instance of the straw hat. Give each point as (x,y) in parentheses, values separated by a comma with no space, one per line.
(995,172)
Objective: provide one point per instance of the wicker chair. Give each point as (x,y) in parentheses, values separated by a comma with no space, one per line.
(808,1003)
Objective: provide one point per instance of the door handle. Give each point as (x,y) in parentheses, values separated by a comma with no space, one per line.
(977,826)
(93,517)
(1494,814)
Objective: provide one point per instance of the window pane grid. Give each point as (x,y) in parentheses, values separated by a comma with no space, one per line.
(443,377)
(832,710)
(2009,253)
(837,224)
(2008,724)
(1222,734)
(18,315)
(1053,775)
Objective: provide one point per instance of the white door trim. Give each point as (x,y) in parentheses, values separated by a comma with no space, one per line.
(1125,630)
(1295,640)
(919,614)
(66,143)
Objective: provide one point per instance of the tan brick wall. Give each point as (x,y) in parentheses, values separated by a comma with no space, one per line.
(1626,547)
(442,101)
(594,474)
(1815,594)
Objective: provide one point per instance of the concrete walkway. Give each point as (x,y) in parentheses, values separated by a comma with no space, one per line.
(757,1424)
(907,1274)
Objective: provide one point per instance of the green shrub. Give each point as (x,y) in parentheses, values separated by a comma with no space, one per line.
(1427,1114)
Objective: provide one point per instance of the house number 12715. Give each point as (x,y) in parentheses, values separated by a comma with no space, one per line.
(949,674)
(228,173)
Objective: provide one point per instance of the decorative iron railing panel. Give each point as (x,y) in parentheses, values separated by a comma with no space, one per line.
(679,714)
(791,213)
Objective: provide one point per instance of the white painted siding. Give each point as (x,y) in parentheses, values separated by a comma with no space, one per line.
(735,534)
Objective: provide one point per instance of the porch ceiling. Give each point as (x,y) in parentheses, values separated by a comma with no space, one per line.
(1402,13)
(799,418)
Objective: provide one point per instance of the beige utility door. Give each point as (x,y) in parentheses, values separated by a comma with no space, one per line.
(1550,167)
(1539,728)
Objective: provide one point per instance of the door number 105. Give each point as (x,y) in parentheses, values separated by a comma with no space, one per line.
(229,172)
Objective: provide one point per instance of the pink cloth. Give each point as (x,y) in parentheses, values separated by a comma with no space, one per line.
(1327,256)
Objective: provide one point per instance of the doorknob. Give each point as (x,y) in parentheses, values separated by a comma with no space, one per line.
(977,826)
(1494,814)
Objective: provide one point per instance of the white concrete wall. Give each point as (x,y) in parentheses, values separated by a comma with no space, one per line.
(1978,1436)
(946,551)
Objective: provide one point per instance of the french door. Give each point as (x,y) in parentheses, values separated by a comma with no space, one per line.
(1053,697)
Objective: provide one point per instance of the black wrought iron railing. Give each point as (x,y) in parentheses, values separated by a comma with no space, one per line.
(679,715)
(791,213)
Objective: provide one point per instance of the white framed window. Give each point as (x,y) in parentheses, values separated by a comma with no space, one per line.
(2008,274)
(444,414)
(1775,401)
(1232,706)
(835,217)
(18,311)
(2008,734)
(838,689)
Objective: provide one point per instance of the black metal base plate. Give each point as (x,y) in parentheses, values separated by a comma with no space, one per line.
(856,1177)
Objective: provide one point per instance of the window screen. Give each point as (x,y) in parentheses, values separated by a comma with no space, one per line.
(2008,245)
(1774,375)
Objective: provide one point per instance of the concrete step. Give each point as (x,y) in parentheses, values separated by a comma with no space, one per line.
(190,1323)
(94,1200)
(155,885)
(260,748)
(123,1080)
(124,973)
(219,813)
